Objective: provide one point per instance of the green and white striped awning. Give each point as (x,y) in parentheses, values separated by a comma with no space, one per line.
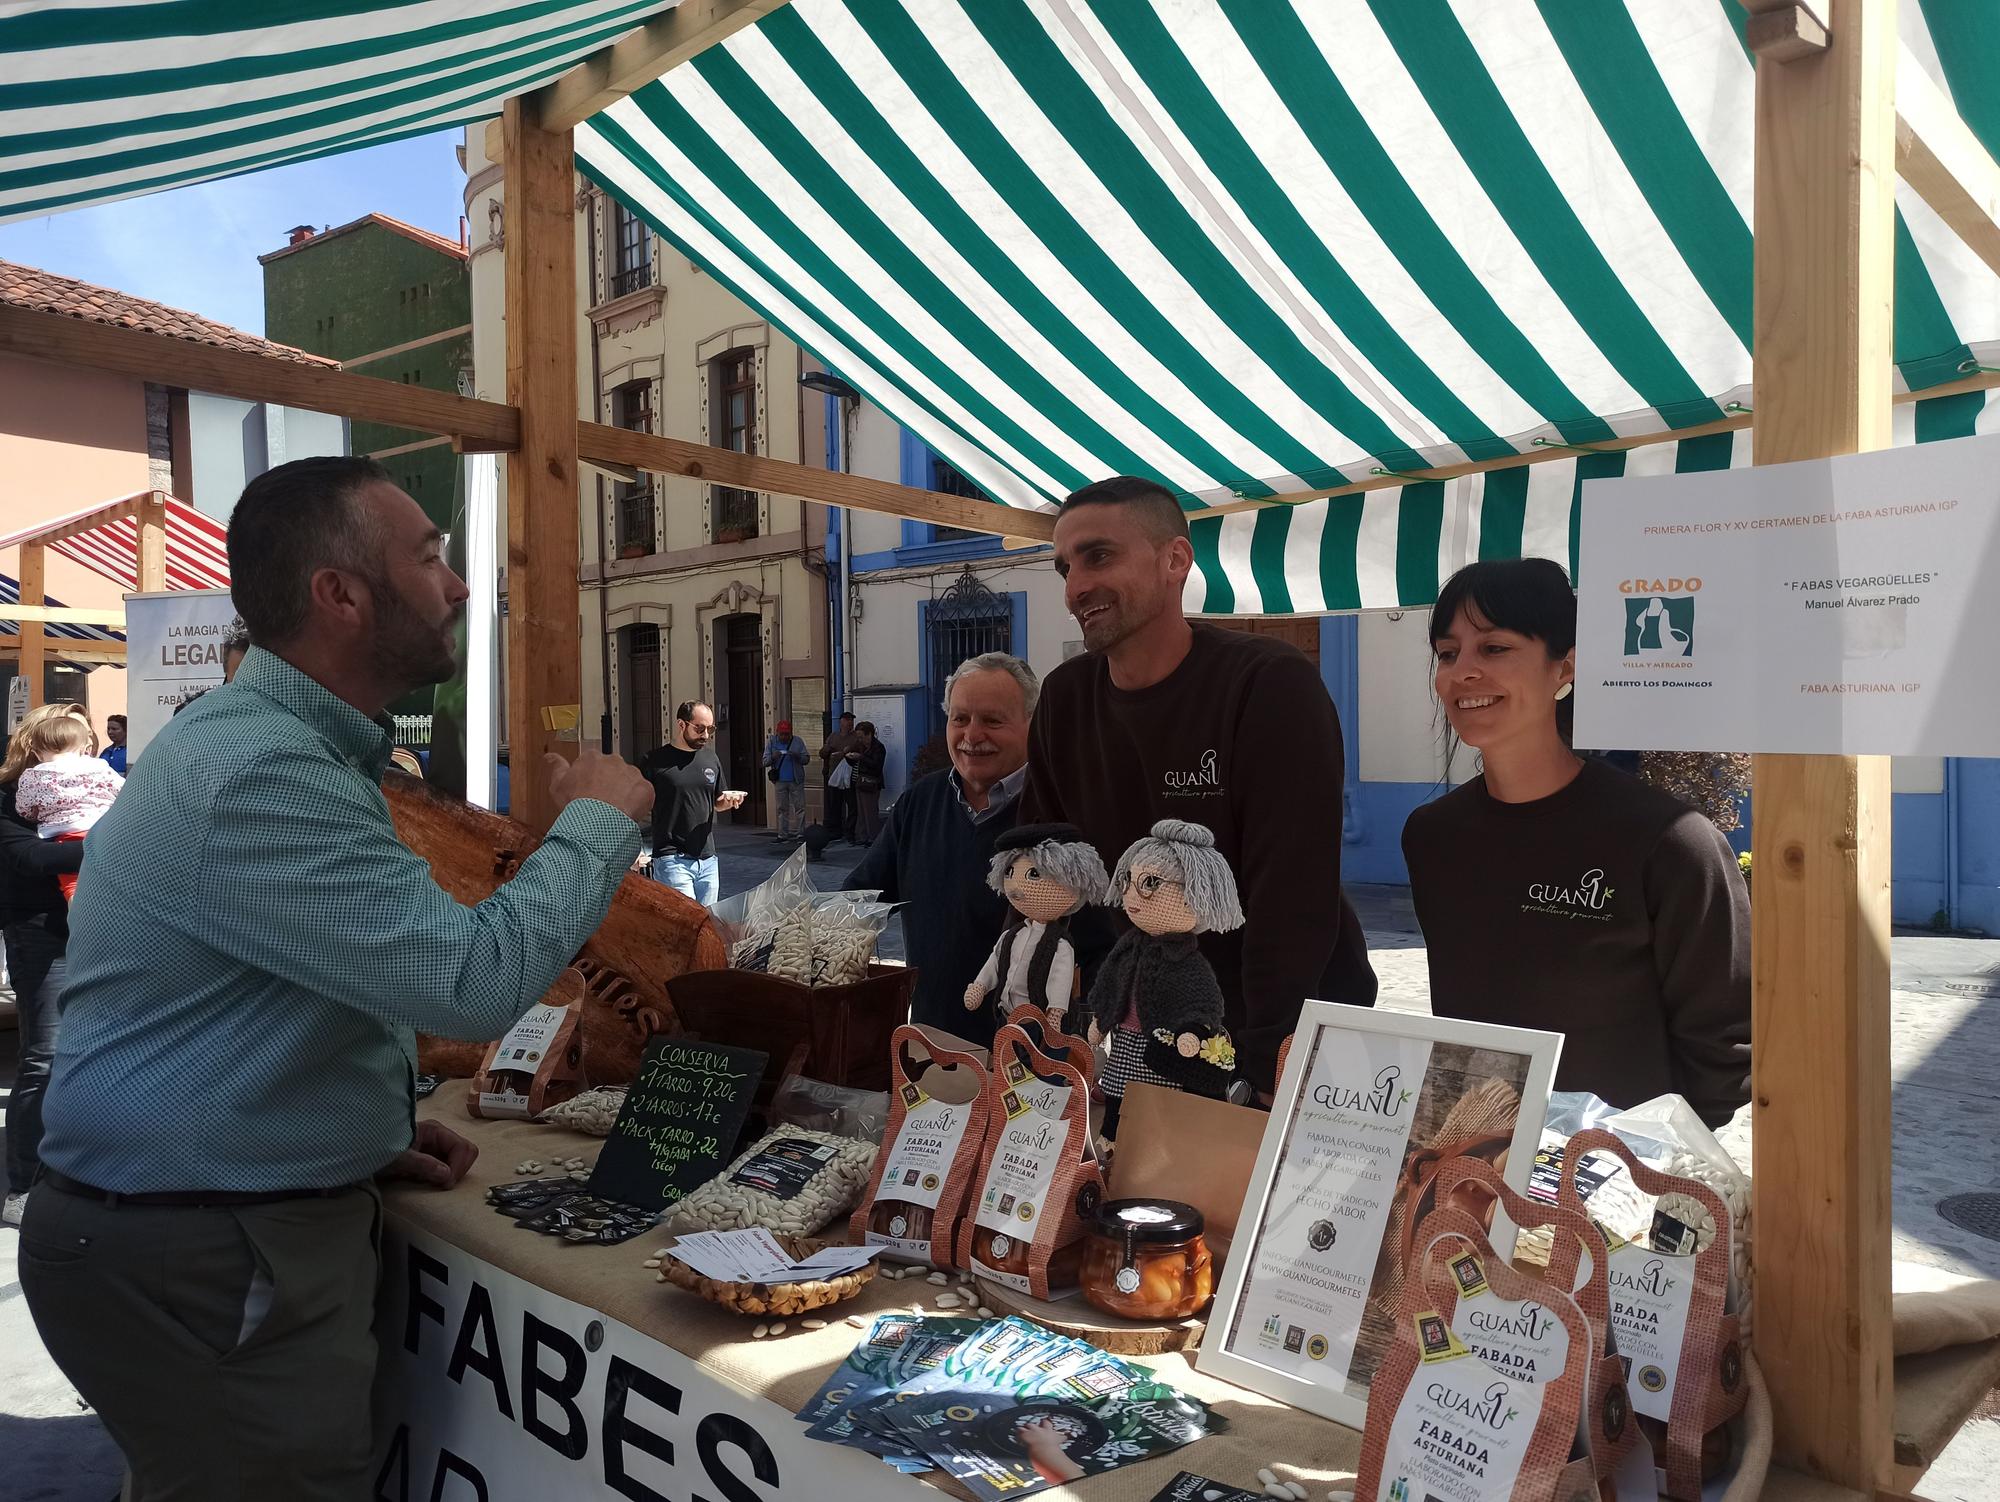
(104,99)
(1250,247)
(1259,247)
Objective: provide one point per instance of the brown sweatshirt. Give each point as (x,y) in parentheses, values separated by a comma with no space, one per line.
(1242,739)
(1609,912)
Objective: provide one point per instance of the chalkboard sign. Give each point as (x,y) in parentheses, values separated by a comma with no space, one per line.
(680,1121)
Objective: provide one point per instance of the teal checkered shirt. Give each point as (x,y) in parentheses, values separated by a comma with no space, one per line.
(251,948)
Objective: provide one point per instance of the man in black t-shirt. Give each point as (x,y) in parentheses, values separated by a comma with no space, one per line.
(688,794)
(1163,718)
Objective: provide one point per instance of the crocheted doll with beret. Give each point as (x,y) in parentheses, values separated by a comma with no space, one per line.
(1046,872)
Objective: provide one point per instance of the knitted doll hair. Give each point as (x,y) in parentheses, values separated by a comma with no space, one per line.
(1188,850)
(1058,851)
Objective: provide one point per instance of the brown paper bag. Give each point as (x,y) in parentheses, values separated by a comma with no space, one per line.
(538,1064)
(917,1194)
(1177,1146)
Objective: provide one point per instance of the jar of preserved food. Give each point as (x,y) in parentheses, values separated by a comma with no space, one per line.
(1145,1259)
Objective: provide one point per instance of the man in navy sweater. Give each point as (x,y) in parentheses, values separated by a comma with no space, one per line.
(937,843)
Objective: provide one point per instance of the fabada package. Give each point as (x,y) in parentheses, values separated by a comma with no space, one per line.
(930,1151)
(1039,1179)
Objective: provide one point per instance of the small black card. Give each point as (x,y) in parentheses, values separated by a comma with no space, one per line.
(679,1123)
(1188,1487)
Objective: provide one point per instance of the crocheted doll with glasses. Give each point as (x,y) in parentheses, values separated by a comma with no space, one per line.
(1155,997)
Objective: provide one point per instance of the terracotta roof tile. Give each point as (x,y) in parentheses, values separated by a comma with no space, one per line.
(424,237)
(46,292)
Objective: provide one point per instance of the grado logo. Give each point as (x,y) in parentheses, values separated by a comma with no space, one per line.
(1659,616)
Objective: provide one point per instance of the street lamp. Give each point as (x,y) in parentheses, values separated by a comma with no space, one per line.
(828,384)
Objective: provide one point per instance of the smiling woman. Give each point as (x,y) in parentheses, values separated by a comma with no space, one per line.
(1555,892)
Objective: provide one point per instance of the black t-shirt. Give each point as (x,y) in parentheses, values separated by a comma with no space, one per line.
(1609,912)
(1243,739)
(685,784)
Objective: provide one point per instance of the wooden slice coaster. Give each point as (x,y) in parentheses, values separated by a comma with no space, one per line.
(1082,1320)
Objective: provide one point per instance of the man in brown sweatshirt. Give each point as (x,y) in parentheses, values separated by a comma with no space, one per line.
(1164,718)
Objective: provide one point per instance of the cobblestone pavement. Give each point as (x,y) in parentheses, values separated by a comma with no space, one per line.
(1945,1037)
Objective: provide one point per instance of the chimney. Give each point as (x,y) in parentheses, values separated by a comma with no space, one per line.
(299,234)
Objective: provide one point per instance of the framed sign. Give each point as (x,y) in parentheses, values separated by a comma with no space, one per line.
(679,1123)
(1369,1104)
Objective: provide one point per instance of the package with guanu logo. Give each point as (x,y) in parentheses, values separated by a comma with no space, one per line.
(537,1065)
(1670,1315)
(930,1150)
(1514,1336)
(1445,1421)
(1039,1178)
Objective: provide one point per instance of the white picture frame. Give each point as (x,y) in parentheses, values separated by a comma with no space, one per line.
(1235,1353)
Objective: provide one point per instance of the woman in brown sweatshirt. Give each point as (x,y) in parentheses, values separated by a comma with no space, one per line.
(1556,892)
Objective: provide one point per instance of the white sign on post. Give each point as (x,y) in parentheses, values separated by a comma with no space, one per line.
(173,651)
(1834,606)
(17,703)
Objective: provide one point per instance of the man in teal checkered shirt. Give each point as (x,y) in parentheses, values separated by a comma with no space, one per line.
(250,951)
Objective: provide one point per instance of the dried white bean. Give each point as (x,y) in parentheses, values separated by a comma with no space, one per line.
(938,1278)
(984,1312)
(947,1301)
(652,1262)
(760,1332)
(813,1324)
(1298,1491)
(1266,1476)
(1284,1493)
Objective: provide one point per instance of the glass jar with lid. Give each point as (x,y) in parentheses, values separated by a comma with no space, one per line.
(1145,1259)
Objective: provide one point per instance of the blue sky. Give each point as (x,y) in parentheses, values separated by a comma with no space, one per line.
(197,247)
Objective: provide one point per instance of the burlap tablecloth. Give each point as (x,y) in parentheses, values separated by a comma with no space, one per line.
(789,1369)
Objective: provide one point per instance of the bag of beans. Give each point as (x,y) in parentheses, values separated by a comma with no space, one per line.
(1039,1179)
(538,1064)
(930,1150)
(793,1181)
(1469,1192)
(1669,1267)
(1446,1421)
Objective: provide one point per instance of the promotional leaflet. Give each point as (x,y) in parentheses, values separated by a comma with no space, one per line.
(1314,1256)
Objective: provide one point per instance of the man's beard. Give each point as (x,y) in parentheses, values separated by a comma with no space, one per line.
(408,649)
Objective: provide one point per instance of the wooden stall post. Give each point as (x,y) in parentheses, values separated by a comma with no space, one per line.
(1825,184)
(543,661)
(152,519)
(34,591)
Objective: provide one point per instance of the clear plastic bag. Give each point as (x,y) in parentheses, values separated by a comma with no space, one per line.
(836,1109)
(786,927)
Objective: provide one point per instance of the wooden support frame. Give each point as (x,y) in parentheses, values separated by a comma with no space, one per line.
(543,624)
(599,444)
(67,615)
(250,376)
(98,653)
(1940,157)
(1824,217)
(151,516)
(34,591)
(632,62)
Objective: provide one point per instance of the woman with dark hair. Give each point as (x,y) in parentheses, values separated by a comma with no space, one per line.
(35,920)
(870,757)
(1556,892)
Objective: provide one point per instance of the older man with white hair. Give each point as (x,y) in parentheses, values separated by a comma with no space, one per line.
(938,841)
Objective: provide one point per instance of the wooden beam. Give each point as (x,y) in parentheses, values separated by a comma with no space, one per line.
(699,461)
(34,590)
(108,653)
(1824,218)
(1786,34)
(250,376)
(543,673)
(153,543)
(1938,156)
(68,615)
(115,511)
(632,62)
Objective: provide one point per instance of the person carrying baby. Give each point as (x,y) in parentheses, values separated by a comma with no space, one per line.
(67,788)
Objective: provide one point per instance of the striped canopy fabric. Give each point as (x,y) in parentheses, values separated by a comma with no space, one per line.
(1255,248)
(104,99)
(197,547)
